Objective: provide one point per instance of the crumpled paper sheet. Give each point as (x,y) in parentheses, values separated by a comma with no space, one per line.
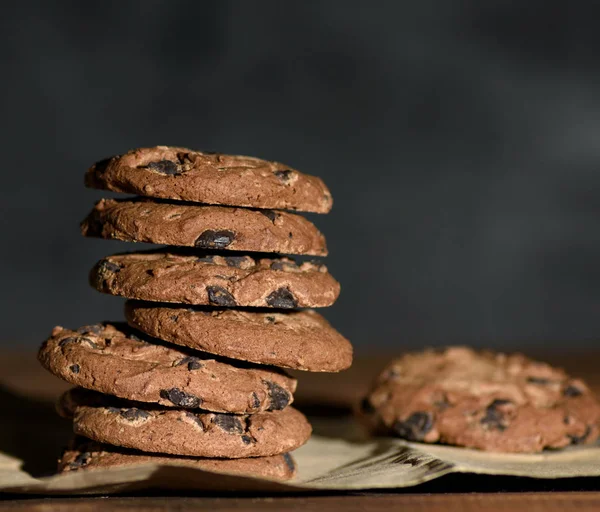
(323,464)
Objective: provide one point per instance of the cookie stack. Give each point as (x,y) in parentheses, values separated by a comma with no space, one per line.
(195,375)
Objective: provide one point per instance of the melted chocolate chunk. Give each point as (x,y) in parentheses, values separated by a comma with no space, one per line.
(582,438)
(494,418)
(284,176)
(283,265)
(210,239)
(206,259)
(246,439)
(282,298)
(74,368)
(78,339)
(279,397)
(134,414)
(289,461)
(181,398)
(255,401)
(235,261)
(229,423)
(415,427)
(193,363)
(91,329)
(165,167)
(81,460)
(270,214)
(219,296)
(196,419)
(572,391)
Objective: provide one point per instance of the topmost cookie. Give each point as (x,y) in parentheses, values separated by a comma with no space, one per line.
(210,178)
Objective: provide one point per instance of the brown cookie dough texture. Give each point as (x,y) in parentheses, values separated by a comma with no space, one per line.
(484,400)
(211,178)
(117,362)
(215,280)
(204,227)
(182,432)
(89,455)
(302,340)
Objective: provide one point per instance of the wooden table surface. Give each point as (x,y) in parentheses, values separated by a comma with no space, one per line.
(29,430)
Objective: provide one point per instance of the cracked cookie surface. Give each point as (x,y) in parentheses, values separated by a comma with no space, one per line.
(490,401)
(204,227)
(84,454)
(114,359)
(302,340)
(182,432)
(225,281)
(210,178)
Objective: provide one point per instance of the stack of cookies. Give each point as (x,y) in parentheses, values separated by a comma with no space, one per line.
(195,375)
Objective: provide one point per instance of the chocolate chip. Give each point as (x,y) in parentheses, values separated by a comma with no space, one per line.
(282,298)
(219,296)
(81,460)
(366,406)
(270,214)
(415,427)
(279,397)
(206,259)
(181,398)
(235,261)
(493,417)
(246,439)
(193,363)
(210,239)
(255,401)
(270,319)
(91,329)
(289,461)
(538,380)
(284,175)
(283,265)
(572,391)
(134,414)
(108,266)
(580,439)
(74,368)
(228,423)
(174,318)
(195,418)
(165,167)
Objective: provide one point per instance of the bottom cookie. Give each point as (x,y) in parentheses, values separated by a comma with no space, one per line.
(156,429)
(89,455)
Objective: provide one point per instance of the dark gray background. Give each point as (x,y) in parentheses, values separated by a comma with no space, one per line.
(460,141)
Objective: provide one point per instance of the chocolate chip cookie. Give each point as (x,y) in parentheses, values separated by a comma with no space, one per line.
(495,402)
(302,340)
(204,227)
(225,281)
(116,361)
(84,454)
(182,432)
(210,178)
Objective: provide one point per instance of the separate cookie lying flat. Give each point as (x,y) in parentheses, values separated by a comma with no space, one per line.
(215,280)
(302,340)
(495,402)
(180,432)
(211,178)
(89,455)
(205,227)
(117,362)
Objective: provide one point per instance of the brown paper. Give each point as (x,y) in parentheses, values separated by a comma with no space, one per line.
(324,463)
